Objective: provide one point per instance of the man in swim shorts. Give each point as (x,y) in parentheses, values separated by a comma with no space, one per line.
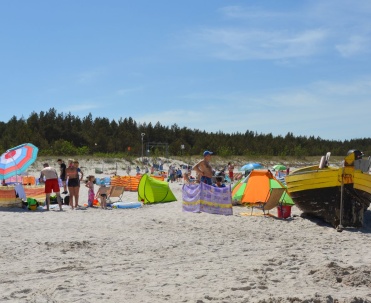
(51,184)
(204,169)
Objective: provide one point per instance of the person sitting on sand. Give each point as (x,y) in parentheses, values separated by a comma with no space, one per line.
(218,182)
(204,169)
(102,195)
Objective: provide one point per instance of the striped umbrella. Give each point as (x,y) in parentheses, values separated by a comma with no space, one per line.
(17,160)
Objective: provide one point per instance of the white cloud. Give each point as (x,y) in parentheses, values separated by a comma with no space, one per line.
(125,91)
(323,109)
(354,46)
(89,77)
(250,44)
(319,28)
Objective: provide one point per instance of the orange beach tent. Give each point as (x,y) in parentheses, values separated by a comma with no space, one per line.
(258,186)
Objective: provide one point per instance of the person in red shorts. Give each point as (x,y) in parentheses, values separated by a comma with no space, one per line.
(230,170)
(50,176)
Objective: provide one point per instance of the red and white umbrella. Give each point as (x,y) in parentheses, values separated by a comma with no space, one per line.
(17,159)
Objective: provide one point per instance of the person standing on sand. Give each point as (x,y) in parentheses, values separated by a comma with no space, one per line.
(230,170)
(51,184)
(79,171)
(73,184)
(91,195)
(62,175)
(204,169)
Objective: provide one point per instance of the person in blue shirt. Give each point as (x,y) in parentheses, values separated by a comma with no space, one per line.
(218,182)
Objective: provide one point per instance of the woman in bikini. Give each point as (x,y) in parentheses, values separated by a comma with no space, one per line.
(73,184)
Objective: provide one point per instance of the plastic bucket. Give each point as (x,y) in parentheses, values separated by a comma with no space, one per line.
(284,211)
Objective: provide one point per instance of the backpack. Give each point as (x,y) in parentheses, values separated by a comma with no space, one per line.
(66,200)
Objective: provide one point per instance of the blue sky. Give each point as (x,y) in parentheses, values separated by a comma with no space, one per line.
(266,66)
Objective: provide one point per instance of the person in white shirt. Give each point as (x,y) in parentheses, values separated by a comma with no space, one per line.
(50,176)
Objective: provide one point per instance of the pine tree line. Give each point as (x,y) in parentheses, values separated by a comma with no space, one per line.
(65,134)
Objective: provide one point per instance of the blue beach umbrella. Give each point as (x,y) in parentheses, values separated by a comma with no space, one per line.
(251,166)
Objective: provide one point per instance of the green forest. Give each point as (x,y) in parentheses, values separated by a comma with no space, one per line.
(66,134)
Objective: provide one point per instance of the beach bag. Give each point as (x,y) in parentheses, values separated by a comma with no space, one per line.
(66,200)
(53,199)
(32,203)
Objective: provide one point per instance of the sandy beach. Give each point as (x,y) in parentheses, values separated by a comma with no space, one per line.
(159,253)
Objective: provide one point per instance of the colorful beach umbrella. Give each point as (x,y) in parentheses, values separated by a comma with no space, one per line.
(17,160)
(251,166)
(279,167)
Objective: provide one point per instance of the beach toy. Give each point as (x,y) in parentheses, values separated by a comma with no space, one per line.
(283,211)
(95,202)
(127,205)
(32,207)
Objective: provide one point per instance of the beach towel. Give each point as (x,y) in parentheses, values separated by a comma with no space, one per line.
(205,198)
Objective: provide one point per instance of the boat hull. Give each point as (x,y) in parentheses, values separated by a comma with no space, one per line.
(325,203)
(319,192)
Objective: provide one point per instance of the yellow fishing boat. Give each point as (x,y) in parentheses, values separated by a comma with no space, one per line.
(339,195)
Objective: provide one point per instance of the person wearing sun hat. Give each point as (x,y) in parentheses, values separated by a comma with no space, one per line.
(204,169)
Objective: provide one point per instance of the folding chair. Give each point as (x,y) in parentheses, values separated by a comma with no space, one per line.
(272,200)
(115,192)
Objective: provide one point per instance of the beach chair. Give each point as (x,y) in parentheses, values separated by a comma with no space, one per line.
(272,200)
(115,192)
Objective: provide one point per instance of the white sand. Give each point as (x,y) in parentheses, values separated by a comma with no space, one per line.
(160,254)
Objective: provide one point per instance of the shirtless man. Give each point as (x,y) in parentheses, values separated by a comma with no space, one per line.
(204,169)
(51,184)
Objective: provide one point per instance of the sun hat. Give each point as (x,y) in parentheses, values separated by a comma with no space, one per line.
(207,153)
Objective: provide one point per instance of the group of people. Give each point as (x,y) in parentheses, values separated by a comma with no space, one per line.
(205,172)
(71,176)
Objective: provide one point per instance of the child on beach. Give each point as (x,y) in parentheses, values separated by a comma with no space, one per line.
(102,194)
(90,185)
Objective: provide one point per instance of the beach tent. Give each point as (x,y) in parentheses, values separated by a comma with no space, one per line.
(151,190)
(256,188)
(238,190)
